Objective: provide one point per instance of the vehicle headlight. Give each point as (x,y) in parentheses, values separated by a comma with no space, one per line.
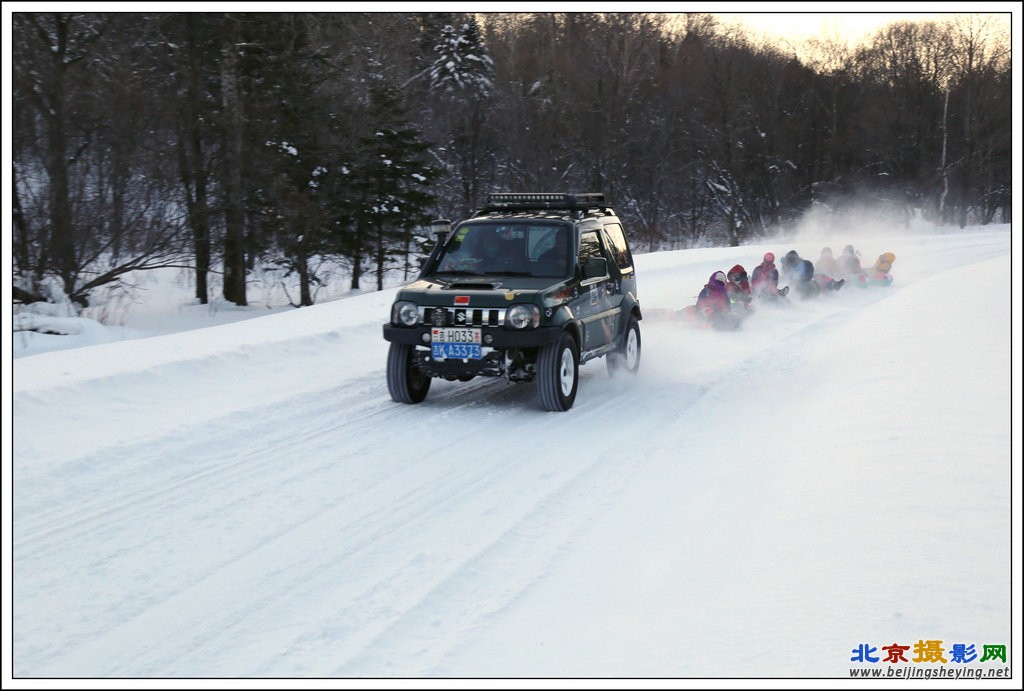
(404,312)
(523,316)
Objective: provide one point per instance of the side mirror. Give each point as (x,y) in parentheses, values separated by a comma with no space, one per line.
(595,267)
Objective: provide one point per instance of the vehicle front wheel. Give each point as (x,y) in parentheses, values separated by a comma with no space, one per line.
(406,384)
(558,368)
(627,357)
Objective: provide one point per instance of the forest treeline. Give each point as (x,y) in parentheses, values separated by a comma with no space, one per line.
(225,141)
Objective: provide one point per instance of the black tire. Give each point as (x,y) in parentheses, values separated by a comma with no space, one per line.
(558,374)
(406,384)
(627,357)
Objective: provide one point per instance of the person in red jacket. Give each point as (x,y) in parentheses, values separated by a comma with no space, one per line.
(738,286)
(764,281)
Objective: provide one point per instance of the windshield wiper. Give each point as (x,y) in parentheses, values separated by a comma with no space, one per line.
(509,273)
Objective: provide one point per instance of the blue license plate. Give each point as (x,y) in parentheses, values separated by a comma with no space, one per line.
(455,351)
(455,344)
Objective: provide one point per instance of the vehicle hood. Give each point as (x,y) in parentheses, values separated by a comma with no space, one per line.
(486,291)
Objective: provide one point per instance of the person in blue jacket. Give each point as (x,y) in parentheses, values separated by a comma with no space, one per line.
(800,274)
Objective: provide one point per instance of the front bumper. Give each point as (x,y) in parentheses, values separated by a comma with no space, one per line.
(500,338)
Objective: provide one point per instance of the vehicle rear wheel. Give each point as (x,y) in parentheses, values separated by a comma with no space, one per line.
(627,357)
(406,384)
(558,374)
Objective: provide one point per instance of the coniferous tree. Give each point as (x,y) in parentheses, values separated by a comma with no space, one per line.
(462,83)
(697,133)
(288,202)
(462,65)
(392,177)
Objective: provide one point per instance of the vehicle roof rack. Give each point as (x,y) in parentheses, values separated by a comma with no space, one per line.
(522,201)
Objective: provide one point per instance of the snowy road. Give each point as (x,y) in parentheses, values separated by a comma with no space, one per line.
(248,502)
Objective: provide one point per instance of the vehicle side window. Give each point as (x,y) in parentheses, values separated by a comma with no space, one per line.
(620,250)
(590,246)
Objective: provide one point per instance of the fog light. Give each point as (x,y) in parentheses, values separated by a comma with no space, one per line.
(488,339)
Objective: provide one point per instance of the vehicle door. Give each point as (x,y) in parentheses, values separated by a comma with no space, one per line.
(621,268)
(597,304)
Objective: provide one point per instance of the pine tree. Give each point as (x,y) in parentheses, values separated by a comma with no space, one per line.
(462,64)
(291,201)
(462,80)
(393,179)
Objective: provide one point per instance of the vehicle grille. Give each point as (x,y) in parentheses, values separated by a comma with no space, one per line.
(462,316)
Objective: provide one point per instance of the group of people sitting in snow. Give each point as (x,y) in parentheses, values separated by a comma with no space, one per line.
(727,297)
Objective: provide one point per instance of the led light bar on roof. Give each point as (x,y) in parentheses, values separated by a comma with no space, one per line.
(545,200)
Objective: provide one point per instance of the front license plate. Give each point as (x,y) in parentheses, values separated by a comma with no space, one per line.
(455,344)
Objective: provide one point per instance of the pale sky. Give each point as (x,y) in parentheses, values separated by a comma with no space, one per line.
(802,25)
(854,25)
(853,20)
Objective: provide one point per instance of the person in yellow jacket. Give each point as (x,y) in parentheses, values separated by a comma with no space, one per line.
(880,273)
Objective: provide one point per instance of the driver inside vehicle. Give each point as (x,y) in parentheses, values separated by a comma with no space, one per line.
(490,247)
(553,261)
(496,250)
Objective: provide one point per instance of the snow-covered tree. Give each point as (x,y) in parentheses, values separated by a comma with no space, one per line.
(462,82)
(462,65)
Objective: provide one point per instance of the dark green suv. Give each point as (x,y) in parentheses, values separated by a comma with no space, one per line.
(532,286)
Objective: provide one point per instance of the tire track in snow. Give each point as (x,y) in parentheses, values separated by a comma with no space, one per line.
(376,521)
(369,568)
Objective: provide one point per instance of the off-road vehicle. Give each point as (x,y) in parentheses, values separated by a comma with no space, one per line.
(532,286)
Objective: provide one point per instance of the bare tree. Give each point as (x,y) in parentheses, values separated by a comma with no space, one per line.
(979,57)
(696,132)
(85,217)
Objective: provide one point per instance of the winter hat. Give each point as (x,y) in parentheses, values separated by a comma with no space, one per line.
(826,251)
(848,250)
(719,276)
(769,257)
(791,258)
(737,272)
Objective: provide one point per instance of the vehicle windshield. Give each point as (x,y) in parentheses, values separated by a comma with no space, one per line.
(515,249)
